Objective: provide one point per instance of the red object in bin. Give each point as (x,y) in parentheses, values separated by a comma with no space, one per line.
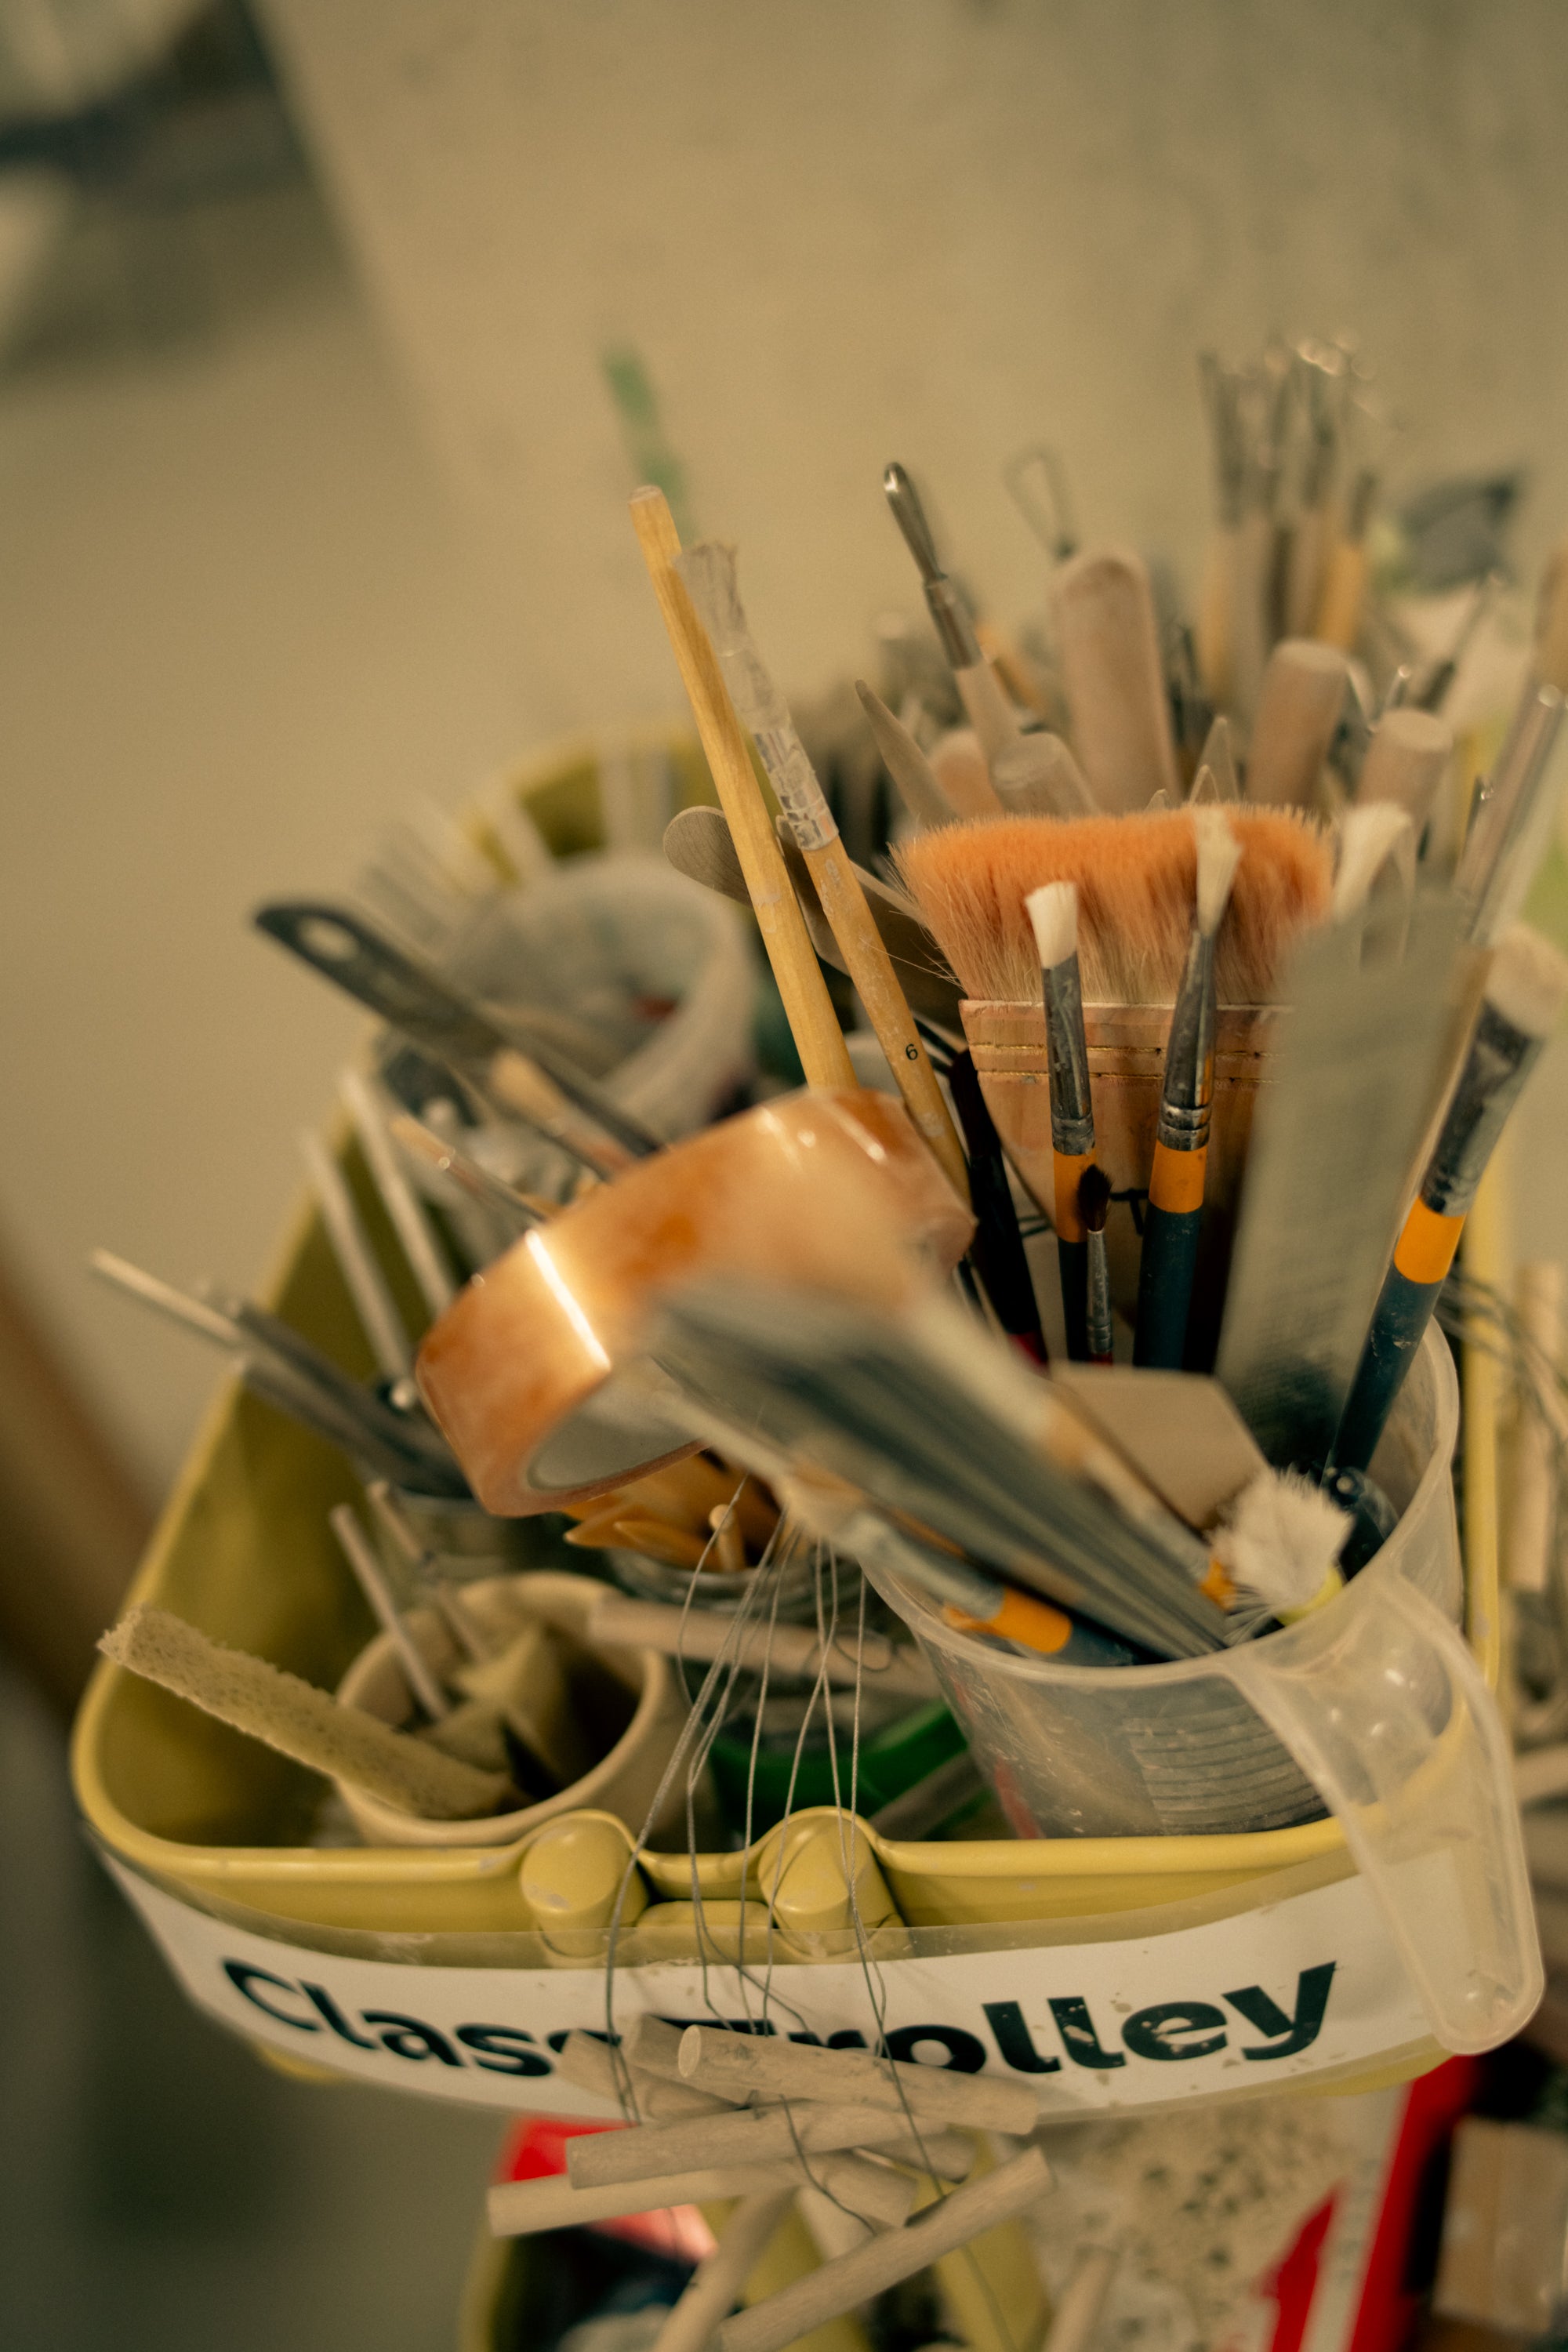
(1386,2311)
(536,2150)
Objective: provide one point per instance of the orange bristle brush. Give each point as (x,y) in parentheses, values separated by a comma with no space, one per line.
(1135,877)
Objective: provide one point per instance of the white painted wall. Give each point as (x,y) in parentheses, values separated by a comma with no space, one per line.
(843,230)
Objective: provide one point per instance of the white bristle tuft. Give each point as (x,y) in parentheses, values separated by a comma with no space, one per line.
(1528,983)
(1053,912)
(1371,837)
(1281,1539)
(1219,854)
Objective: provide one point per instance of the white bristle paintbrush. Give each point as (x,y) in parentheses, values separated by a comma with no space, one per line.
(1280,1542)
(1171,1229)
(1135,878)
(1377,855)
(1053,917)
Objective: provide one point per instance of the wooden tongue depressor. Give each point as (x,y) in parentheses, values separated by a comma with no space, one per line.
(987,707)
(869,2270)
(1299,711)
(738,2065)
(697,842)
(1179,1429)
(1405,761)
(794,1650)
(833,1191)
(300,1720)
(907,764)
(819,1041)
(709,571)
(1338,1134)
(1109,645)
(747,2136)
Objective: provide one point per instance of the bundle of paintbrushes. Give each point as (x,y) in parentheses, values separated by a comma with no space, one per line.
(1085,1331)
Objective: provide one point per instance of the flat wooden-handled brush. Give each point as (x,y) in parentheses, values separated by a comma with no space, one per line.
(1298,709)
(1525,993)
(1407,761)
(1174,1215)
(708,571)
(1108,642)
(1053,913)
(990,713)
(819,1041)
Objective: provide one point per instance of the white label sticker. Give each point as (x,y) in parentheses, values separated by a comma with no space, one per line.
(1301,1987)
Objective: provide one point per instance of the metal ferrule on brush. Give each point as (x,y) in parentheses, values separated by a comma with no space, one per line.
(1187,1092)
(1067,1047)
(1500,1060)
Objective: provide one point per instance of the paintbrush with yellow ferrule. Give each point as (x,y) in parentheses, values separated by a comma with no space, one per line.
(1169,1263)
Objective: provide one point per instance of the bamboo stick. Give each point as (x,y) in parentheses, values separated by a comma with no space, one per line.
(729,2064)
(819,1041)
(869,2270)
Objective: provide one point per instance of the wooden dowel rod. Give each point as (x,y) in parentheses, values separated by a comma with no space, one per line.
(715,2285)
(592,2065)
(1297,710)
(517,2209)
(721,2063)
(654,2044)
(744,2136)
(1082,2301)
(819,1041)
(871,2269)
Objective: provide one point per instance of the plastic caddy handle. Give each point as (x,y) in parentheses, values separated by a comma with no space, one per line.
(1385,1709)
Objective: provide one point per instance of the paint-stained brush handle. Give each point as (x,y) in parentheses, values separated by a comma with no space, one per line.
(1168,1268)
(1405,1305)
(819,1041)
(997,1249)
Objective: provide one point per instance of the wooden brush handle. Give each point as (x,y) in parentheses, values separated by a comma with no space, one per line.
(871,968)
(1115,680)
(1298,711)
(1344,590)
(963,779)
(819,1041)
(1405,761)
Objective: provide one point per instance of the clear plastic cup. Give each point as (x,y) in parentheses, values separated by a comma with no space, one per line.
(1372,1709)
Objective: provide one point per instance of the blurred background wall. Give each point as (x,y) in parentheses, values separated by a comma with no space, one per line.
(934,229)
